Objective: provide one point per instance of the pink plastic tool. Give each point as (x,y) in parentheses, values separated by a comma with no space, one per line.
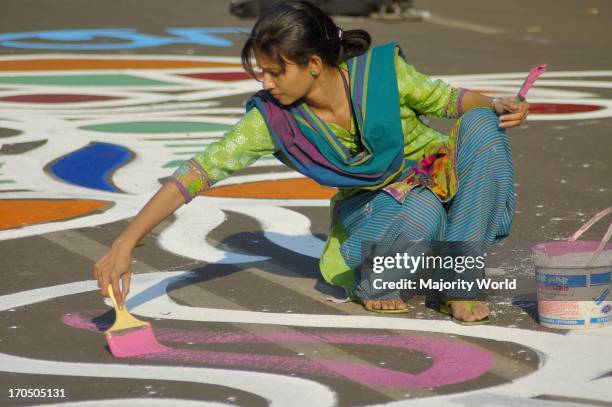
(535,72)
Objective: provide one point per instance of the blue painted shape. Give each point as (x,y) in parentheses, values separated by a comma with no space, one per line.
(131,38)
(205,36)
(92,166)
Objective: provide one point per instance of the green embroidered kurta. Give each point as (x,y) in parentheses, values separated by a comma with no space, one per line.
(250,140)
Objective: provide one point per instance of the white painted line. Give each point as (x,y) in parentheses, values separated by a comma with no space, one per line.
(285,228)
(463,25)
(187,235)
(581,353)
(140,402)
(295,391)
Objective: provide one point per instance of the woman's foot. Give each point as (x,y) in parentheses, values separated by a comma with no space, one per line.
(469,311)
(389,305)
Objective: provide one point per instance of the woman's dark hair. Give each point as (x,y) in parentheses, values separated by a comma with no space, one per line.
(297,30)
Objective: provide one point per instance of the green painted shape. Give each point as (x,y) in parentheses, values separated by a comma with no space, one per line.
(84,80)
(174,164)
(156,127)
(183,145)
(6,181)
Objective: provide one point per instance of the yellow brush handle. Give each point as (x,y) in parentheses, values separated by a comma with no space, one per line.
(123,319)
(112,296)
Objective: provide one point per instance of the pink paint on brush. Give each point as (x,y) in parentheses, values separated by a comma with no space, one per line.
(141,341)
(535,72)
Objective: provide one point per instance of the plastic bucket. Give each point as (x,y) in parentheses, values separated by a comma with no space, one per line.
(574,280)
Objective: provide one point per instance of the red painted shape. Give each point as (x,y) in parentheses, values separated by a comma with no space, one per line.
(560,108)
(56,98)
(221,76)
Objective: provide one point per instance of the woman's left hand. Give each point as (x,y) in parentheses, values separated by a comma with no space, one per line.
(511,113)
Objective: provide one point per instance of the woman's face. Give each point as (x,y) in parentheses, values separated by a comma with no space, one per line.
(289,86)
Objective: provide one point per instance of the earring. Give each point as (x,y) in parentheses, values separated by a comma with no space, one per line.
(314,73)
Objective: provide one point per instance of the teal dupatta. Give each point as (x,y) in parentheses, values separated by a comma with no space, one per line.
(307,144)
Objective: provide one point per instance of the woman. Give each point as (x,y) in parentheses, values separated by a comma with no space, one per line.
(329,109)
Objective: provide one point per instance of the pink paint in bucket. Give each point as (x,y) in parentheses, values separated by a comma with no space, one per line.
(574,280)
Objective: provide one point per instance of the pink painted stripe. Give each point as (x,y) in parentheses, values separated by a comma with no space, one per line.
(454,361)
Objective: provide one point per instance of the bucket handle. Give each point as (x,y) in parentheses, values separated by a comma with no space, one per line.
(586,227)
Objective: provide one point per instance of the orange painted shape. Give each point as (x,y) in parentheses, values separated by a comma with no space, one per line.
(295,188)
(66,64)
(16,213)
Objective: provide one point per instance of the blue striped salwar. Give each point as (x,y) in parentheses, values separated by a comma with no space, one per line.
(481,210)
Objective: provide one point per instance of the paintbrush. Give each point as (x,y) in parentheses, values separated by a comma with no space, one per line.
(130,336)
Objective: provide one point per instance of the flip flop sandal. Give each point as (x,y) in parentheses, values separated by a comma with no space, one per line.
(381,311)
(445,308)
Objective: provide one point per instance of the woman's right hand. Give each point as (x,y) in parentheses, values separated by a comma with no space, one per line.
(114,266)
(117,263)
